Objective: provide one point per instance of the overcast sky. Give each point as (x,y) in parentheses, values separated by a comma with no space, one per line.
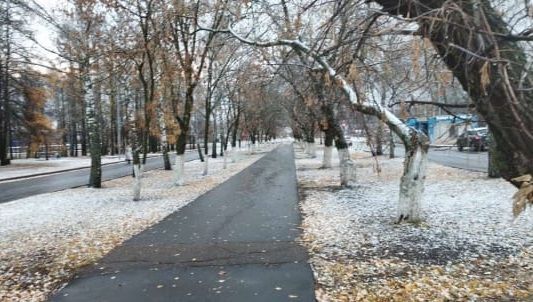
(44,34)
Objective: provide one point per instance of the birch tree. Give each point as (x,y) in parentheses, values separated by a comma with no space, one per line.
(83,37)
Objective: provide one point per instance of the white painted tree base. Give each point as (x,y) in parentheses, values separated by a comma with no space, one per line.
(326,159)
(412,186)
(179,168)
(347,168)
(233,156)
(311,148)
(225,160)
(137,172)
(206,165)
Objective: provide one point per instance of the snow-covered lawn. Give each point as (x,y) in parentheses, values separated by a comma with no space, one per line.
(45,238)
(470,248)
(30,166)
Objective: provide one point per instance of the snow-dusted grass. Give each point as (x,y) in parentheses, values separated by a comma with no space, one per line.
(31,166)
(469,247)
(45,238)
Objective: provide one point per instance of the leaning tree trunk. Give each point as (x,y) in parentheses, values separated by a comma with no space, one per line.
(491,67)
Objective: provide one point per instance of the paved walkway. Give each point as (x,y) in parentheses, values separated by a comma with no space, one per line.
(235,243)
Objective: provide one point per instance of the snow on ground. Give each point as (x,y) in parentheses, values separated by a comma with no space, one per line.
(45,238)
(30,166)
(470,248)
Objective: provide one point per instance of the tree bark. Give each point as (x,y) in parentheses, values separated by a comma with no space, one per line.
(200,155)
(391,145)
(214,142)
(206,166)
(328,149)
(492,68)
(379,139)
(412,181)
(164,138)
(95,140)
(137,174)
(207,124)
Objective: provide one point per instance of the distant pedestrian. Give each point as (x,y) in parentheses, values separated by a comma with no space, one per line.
(128,155)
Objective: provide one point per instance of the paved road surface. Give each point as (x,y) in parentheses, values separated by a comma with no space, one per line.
(235,243)
(468,160)
(11,190)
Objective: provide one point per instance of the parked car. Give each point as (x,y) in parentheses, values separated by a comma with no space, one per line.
(475,138)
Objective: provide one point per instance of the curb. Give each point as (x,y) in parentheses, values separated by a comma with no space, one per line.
(62,171)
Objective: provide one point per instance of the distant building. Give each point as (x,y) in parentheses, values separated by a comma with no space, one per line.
(444,129)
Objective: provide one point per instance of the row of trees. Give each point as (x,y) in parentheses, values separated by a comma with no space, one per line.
(331,43)
(141,74)
(153,74)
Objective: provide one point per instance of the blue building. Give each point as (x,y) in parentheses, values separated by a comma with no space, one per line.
(444,129)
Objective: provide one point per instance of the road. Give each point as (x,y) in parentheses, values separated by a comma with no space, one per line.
(237,242)
(468,160)
(11,190)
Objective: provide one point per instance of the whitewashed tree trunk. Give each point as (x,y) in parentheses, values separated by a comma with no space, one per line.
(137,173)
(164,139)
(412,185)
(347,168)
(179,168)
(225,160)
(206,166)
(326,159)
(233,155)
(311,148)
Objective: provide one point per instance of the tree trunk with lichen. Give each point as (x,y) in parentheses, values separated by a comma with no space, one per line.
(476,45)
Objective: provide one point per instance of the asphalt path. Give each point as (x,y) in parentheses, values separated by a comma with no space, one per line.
(449,156)
(11,190)
(235,243)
